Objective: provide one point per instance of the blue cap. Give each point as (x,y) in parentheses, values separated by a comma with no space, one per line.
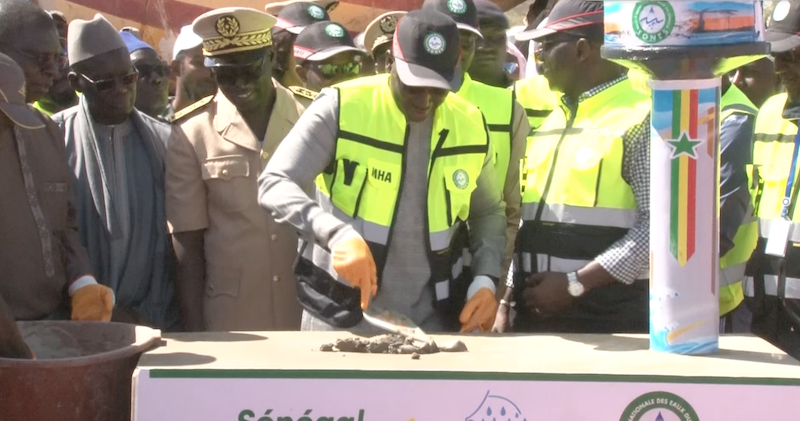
(133,43)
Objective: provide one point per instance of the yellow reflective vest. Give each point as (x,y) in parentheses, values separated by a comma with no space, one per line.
(732,265)
(497,105)
(537,99)
(770,279)
(575,203)
(362,184)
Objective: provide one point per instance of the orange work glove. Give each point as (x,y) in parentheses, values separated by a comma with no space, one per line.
(93,302)
(479,311)
(353,261)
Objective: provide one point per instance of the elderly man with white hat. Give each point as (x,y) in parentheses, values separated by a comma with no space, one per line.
(117,157)
(193,80)
(41,257)
(234,260)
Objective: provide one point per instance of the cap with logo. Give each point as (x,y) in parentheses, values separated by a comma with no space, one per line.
(12,95)
(427,50)
(323,40)
(90,38)
(381,30)
(582,18)
(275,8)
(782,31)
(462,11)
(186,40)
(297,16)
(233,30)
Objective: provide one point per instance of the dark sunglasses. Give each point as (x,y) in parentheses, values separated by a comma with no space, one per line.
(108,84)
(46,59)
(247,73)
(330,71)
(147,70)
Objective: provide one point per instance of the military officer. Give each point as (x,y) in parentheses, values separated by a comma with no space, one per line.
(378,40)
(234,261)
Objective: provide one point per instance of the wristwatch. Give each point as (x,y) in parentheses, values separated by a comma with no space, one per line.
(575,287)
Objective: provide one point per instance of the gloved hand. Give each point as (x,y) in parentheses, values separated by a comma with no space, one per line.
(353,261)
(92,302)
(479,311)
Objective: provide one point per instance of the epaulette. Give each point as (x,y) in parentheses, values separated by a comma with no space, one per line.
(188,110)
(303,92)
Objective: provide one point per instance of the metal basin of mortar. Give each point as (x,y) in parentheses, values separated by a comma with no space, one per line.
(82,371)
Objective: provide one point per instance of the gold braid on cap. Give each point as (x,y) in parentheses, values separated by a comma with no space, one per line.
(231,41)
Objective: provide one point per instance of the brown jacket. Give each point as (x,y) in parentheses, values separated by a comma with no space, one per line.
(213,164)
(38,233)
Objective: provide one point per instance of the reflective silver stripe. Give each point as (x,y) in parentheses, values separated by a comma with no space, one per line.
(731,274)
(765,224)
(322,260)
(440,240)
(526,262)
(370,231)
(771,287)
(599,217)
(560,265)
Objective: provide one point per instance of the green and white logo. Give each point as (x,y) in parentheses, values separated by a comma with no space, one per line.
(661,406)
(653,21)
(461,179)
(458,7)
(316,12)
(334,30)
(435,43)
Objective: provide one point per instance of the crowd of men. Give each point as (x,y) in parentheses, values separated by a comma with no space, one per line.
(298,175)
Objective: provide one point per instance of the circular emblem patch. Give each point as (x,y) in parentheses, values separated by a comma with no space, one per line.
(316,12)
(781,11)
(435,43)
(461,179)
(653,21)
(458,7)
(228,26)
(388,24)
(661,406)
(334,31)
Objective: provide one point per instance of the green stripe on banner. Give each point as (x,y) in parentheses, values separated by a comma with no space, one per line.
(675,177)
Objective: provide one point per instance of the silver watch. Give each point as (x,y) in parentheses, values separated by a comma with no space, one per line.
(575,287)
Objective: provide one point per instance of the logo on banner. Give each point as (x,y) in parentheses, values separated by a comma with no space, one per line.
(653,21)
(659,406)
(495,407)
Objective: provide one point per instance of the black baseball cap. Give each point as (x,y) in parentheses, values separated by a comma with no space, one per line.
(463,12)
(297,16)
(12,95)
(784,27)
(322,40)
(583,18)
(427,50)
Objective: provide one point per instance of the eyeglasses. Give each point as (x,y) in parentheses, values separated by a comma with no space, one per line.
(247,73)
(108,84)
(46,59)
(147,70)
(330,71)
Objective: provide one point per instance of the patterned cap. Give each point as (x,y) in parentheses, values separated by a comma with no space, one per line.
(234,29)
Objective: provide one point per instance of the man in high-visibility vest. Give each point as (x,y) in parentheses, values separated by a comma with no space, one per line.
(581,257)
(738,228)
(508,127)
(772,285)
(400,165)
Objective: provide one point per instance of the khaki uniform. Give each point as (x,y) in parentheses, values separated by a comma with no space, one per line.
(213,166)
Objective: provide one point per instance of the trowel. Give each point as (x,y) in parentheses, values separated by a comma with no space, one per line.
(395,322)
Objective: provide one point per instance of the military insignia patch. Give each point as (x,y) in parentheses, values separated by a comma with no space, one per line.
(228,26)
(388,24)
